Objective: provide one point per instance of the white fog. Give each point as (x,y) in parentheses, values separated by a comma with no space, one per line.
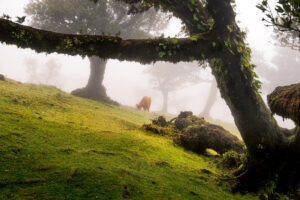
(127,82)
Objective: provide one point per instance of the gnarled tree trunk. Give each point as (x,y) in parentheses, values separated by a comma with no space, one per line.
(269,152)
(270,156)
(94,88)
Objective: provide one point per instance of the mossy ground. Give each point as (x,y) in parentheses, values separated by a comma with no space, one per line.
(57,146)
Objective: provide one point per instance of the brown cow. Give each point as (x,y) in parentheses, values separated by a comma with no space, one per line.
(144,103)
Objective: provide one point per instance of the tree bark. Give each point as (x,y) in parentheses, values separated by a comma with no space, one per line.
(165,101)
(285,101)
(108,47)
(94,88)
(210,101)
(97,71)
(270,158)
(252,117)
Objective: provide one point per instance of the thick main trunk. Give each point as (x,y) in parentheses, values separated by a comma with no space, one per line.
(95,82)
(275,171)
(235,79)
(254,120)
(271,159)
(210,101)
(296,141)
(94,88)
(165,101)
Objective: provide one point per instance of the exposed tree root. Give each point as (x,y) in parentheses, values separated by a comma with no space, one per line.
(272,172)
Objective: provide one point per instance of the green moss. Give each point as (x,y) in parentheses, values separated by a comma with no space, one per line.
(68,43)
(56,146)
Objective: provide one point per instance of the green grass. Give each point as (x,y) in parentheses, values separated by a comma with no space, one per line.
(56,146)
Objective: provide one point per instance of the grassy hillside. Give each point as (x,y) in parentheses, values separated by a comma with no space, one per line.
(56,146)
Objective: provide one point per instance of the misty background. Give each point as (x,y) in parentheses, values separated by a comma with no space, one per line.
(128,82)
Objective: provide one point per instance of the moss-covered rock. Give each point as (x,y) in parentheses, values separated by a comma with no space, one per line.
(160,126)
(160,121)
(196,134)
(231,159)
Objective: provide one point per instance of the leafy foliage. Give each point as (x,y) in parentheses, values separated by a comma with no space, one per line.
(285,18)
(84,17)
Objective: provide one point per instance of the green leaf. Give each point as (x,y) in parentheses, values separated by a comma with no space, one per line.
(229,28)
(191,58)
(194,38)
(161,54)
(264,2)
(174,41)
(195,17)
(279,9)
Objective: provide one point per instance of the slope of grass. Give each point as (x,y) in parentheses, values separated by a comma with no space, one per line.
(56,146)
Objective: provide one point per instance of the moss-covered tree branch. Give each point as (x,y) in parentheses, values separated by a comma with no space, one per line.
(109,47)
(285,101)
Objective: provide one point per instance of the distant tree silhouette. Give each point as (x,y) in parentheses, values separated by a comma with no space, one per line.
(282,70)
(168,77)
(211,100)
(85,17)
(43,73)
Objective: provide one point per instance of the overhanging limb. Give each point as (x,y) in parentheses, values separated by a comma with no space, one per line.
(198,47)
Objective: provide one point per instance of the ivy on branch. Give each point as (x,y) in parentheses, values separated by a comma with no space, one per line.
(108,47)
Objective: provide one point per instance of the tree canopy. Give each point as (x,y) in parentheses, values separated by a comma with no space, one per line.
(85,17)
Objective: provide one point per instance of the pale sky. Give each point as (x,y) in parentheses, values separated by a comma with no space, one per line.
(125,81)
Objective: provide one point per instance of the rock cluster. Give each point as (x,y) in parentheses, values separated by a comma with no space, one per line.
(196,134)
